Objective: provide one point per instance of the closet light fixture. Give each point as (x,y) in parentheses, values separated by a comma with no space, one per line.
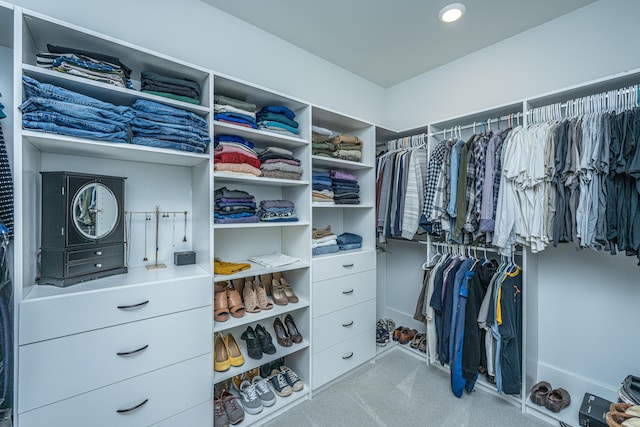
(452,12)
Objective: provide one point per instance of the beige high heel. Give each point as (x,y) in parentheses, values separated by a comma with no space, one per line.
(250,298)
(263,301)
(277,293)
(288,290)
(266,279)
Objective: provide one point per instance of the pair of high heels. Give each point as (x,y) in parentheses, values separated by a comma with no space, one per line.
(227,353)
(287,333)
(226,302)
(281,290)
(258,341)
(255,297)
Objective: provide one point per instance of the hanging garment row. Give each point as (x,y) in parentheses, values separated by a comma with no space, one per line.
(473,311)
(6,328)
(400,174)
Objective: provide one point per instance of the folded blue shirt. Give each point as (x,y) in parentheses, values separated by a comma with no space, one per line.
(278,109)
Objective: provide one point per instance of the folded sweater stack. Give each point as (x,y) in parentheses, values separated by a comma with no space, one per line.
(234,154)
(327,143)
(324,241)
(178,88)
(277,211)
(321,186)
(277,118)
(279,163)
(234,206)
(346,190)
(234,111)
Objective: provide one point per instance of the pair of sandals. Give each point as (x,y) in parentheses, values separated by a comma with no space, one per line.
(419,342)
(226,302)
(555,400)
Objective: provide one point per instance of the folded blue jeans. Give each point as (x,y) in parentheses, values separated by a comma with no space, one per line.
(347,238)
(164,133)
(72,122)
(321,250)
(165,110)
(160,143)
(349,246)
(120,136)
(167,119)
(37,103)
(161,126)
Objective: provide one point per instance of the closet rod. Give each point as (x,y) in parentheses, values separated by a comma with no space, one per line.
(480,248)
(513,116)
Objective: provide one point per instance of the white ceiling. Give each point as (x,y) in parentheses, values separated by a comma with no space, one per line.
(387,41)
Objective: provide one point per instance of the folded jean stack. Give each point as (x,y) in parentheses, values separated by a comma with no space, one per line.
(277,211)
(178,88)
(234,111)
(277,118)
(321,142)
(82,63)
(279,163)
(324,241)
(234,207)
(346,190)
(234,154)
(349,241)
(159,125)
(53,109)
(321,186)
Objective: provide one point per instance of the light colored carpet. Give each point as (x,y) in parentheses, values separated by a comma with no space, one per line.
(400,390)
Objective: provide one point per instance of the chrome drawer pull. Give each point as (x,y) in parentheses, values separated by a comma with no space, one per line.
(347,292)
(348,357)
(347,265)
(348,324)
(98,265)
(126,307)
(129,353)
(98,252)
(133,408)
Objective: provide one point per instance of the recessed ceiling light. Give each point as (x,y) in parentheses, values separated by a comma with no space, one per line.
(452,12)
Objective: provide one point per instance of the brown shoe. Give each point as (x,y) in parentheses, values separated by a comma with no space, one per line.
(296,337)
(278,295)
(407,335)
(266,279)
(284,339)
(220,305)
(539,392)
(288,291)
(234,301)
(557,400)
(396,333)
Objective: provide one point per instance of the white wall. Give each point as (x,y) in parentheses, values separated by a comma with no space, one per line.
(595,41)
(203,35)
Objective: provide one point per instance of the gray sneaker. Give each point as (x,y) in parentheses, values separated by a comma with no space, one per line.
(264,391)
(234,411)
(250,400)
(220,415)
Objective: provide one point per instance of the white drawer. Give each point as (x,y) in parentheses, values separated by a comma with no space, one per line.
(61,368)
(335,361)
(340,325)
(198,416)
(167,391)
(336,294)
(52,317)
(328,267)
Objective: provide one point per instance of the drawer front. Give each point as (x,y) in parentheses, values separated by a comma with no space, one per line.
(201,415)
(96,253)
(335,361)
(338,265)
(52,317)
(336,294)
(167,391)
(92,265)
(57,369)
(338,326)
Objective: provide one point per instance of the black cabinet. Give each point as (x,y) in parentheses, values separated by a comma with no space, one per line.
(82,227)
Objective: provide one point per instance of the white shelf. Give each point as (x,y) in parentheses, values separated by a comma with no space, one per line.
(257,269)
(263,137)
(261,225)
(281,403)
(334,205)
(248,318)
(338,163)
(103,91)
(63,144)
(221,177)
(250,363)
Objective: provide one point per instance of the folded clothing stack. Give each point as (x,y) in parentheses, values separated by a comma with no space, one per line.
(159,125)
(234,207)
(321,141)
(178,88)
(274,260)
(324,241)
(346,190)
(277,211)
(53,109)
(279,162)
(225,267)
(234,111)
(348,241)
(321,186)
(348,147)
(83,63)
(277,118)
(234,154)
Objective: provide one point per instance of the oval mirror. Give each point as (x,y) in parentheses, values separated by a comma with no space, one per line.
(95,210)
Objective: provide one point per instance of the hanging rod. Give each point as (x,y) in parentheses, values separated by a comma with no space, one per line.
(488,122)
(480,248)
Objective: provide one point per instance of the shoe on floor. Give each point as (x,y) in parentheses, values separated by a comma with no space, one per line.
(279,383)
(539,392)
(234,411)
(250,400)
(292,378)
(557,400)
(264,391)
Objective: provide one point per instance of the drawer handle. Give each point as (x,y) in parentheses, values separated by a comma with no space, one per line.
(129,353)
(348,324)
(133,408)
(347,265)
(98,252)
(348,357)
(348,292)
(98,265)
(127,307)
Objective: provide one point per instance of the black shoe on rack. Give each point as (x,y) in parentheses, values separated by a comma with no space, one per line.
(265,339)
(254,348)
